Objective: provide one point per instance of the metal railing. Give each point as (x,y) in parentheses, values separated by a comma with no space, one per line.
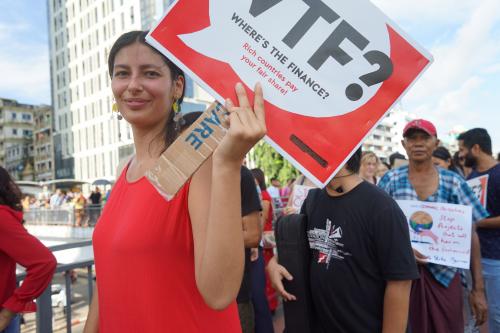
(44,302)
(68,216)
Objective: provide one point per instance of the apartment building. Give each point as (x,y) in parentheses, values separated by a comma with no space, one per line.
(16,138)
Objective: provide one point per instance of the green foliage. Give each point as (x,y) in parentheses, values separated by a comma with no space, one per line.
(272,163)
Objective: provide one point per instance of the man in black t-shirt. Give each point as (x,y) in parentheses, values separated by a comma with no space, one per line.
(250,211)
(361,261)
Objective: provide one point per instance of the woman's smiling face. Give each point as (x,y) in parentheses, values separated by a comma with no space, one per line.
(143,87)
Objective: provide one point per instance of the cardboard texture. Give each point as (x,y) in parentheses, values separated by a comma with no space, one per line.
(193,147)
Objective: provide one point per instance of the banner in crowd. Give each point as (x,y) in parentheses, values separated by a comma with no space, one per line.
(440,231)
(479,186)
(330,69)
(299,194)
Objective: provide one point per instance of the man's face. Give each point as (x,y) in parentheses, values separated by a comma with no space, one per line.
(276,183)
(419,145)
(337,180)
(466,156)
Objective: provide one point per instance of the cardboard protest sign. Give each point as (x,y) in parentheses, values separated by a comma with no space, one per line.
(330,69)
(188,152)
(479,186)
(440,231)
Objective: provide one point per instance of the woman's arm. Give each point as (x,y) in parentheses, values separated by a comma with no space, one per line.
(30,253)
(477,298)
(92,323)
(266,206)
(215,204)
(252,229)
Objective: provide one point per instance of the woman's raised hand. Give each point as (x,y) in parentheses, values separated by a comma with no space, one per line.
(246,126)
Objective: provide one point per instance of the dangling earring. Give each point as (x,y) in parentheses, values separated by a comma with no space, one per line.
(114,108)
(177,111)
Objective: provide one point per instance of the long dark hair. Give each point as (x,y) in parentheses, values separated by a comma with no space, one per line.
(10,194)
(444,154)
(170,131)
(258,174)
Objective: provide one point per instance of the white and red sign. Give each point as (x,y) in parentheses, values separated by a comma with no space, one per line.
(330,69)
(299,195)
(440,231)
(479,186)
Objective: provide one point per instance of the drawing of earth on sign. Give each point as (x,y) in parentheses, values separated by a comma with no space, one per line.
(335,60)
(421,223)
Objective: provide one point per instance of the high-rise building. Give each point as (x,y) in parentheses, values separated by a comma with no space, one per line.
(89,141)
(195,98)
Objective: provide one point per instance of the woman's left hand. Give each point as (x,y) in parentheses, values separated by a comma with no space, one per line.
(246,126)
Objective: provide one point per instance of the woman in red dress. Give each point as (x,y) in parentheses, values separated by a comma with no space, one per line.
(18,246)
(177,265)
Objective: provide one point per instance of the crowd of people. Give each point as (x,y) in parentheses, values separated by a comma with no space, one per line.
(84,210)
(433,301)
(206,260)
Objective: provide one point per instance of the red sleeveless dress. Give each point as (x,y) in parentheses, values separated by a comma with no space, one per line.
(144,259)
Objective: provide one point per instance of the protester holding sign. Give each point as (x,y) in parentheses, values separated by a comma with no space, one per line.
(361,261)
(190,246)
(475,149)
(436,298)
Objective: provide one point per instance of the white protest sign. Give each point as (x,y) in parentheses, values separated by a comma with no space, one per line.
(294,85)
(299,194)
(330,69)
(440,231)
(479,186)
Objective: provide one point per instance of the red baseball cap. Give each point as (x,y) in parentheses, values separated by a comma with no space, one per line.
(421,124)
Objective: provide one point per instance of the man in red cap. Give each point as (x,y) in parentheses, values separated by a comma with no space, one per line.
(436,298)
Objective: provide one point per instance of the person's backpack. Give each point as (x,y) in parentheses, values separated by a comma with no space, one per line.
(294,254)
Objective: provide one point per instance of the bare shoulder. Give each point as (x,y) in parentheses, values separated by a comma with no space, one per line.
(121,165)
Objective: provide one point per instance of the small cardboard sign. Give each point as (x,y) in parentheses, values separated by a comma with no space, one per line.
(479,186)
(440,231)
(181,160)
(330,69)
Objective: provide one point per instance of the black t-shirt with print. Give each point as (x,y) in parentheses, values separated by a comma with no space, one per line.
(250,202)
(358,241)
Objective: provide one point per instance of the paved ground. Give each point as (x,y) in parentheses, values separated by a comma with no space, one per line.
(79,307)
(80,303)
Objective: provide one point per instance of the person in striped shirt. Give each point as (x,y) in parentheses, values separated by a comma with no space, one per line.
(436,298)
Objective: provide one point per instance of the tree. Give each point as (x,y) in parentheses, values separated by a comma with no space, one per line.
(272,163)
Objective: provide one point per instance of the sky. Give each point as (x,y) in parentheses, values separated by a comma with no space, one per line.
(460,90)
